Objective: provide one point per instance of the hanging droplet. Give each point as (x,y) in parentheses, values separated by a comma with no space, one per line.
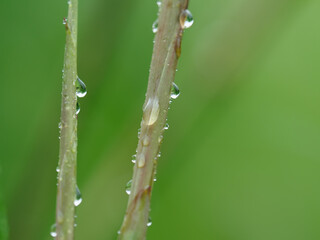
(159,3)
(128,187)
(78,198)
(141,161)
(186,19)
(58,169)
(77,108)
(81,88)
(60,125)
(166,127)
(155,26)
(151,111)
(149,222)
(65,21)
(134,157)
(175,92)
(53,231)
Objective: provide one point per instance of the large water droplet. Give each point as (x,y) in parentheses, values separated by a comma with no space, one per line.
(77,108)
(128,187)
(166,127)
(155,26)
(146,141)
(141,160)
(149,222)
(175,92)
(78,198)
(81,88)
(53,231)
(57,169)
(186,19)
(151,111)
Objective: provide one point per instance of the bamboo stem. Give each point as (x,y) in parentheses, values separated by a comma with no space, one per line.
(166,52)
(68,138)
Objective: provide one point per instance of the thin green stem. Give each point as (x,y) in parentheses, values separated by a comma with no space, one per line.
(68,137)
(166,52)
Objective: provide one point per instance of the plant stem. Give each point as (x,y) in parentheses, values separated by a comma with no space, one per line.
(68,137)
(166,52)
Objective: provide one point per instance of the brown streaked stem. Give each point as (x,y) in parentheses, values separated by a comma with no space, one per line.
(68,138)
(166,51)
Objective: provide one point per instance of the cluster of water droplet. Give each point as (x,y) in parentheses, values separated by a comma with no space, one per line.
(186,19)
(81,91)
(76,202)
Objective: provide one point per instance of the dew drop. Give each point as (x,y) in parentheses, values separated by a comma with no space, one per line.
(186,19)
(128,187)
(149,222)
(134,157)
(151,111)
(77,108)
(146,141)
(159,3)
(58,169)
(60,125)
(53,231)
(155,26)
(141,161)
(81,88)
(166,127)
(175,92)
(78,198)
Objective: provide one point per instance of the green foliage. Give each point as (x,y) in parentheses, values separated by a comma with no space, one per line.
(240,160)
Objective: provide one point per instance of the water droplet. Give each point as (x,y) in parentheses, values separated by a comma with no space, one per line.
(134,157)
(149,222)
(175,92)
(159,3)
(78,198)
(154,179)
(58,169)
(139,132)
(65,21)
(60,125)
(128,187)
(166,127)
(81,88)
(146,141)
(155,26)
(151,111)
(186,19)
(53,231)
(141,161)
(77,108)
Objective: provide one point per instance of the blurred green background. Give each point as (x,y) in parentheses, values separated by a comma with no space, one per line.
(241,159)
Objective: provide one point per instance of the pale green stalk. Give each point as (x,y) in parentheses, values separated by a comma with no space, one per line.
(166,52)
(68,139)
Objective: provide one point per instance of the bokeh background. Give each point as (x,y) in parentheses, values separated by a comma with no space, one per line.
(241,159)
